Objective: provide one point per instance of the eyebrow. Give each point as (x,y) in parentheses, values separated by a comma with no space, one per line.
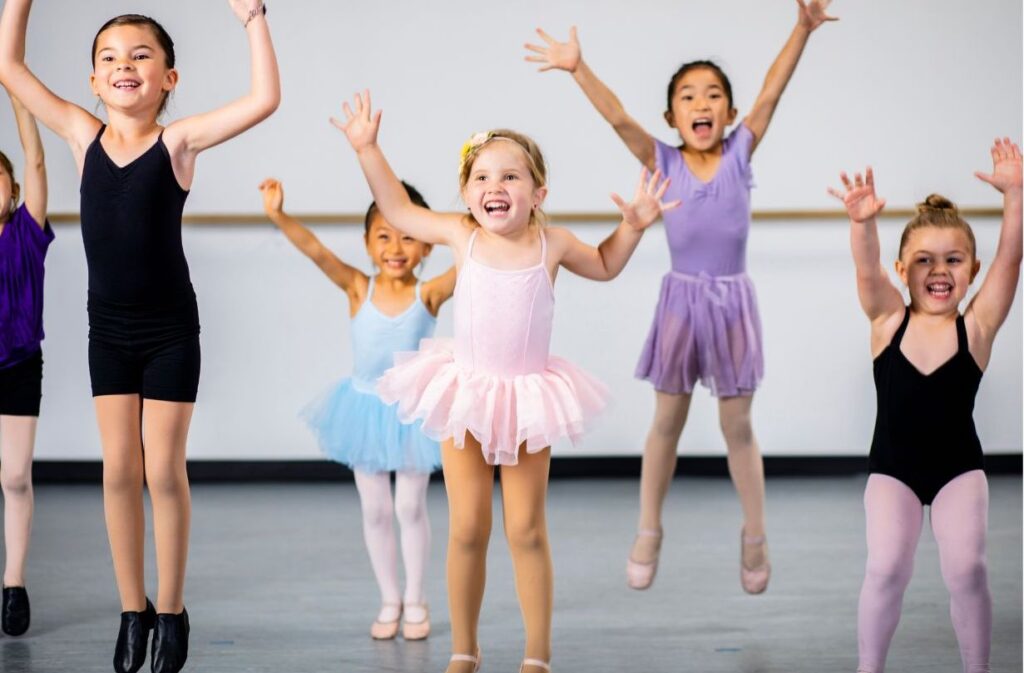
(955,251)
(135,48)
(694,86)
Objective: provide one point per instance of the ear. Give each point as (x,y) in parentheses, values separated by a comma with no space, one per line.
(539,195)
(16,192)
(93,84)
(170,80)
(733,112)
(975,269)
(670,119)
(427,249)
(901,270)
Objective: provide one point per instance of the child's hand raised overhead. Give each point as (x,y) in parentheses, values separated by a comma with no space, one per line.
(646,206)
(360,127)
(812,14)
(860,199)
(1006,166)
(273,196)
(557,55)
(247,10)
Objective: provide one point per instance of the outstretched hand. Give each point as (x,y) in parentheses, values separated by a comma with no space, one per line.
(246,10)
(273,196)
(556,55)
(862,204)
(1006,166)
(646,206)
(812,14)
(360,127)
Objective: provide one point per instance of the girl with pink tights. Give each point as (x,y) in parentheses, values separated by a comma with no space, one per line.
(928,362)
(391,311)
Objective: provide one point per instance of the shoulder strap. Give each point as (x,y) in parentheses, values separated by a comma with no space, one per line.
(472,240)
(961,335)
(543,246)
(419,296)
(369,289)
(898,336)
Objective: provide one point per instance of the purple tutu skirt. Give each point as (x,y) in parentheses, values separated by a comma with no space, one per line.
(706,328)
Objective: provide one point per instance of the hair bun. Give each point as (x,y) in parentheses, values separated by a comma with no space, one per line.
(936,202)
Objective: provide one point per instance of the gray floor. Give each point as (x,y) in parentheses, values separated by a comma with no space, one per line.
(279,581)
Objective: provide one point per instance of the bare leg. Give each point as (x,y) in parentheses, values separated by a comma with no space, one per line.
(120,423)
(524,490)
(469,481)
(165,436)
(657,469)
(746,469)
(17,438)
(960,521)
(379,534)
(894,516)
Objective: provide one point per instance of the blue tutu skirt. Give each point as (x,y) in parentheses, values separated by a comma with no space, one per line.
(359,430)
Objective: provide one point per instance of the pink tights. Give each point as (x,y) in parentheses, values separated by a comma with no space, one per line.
(379,510)
(959,518)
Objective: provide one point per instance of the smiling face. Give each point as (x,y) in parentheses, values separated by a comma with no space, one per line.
(700,109)
(500,191)
(394,253)
(937,265)
(131,70)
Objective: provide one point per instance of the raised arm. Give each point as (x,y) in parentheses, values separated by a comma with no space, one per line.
(188,137)
(569,57)
(878,296)
(439,289)
(992,303)
(361,127)
(343,275)
(811,16)
(67,120)
(608,259)
(34,180)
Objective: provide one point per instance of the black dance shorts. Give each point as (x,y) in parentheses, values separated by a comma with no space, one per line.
(151,351)
(21,387)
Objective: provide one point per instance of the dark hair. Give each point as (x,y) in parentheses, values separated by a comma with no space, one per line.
(162,38)
(414,195)
(699,65)
(6,164)
(938,211)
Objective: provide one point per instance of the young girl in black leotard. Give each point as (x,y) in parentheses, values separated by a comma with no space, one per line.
(143,320)
(928,364)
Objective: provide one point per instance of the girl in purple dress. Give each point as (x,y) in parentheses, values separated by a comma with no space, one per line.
(25,236)
(706,327)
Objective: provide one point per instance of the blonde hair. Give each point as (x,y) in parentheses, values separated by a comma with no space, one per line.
(938,211)
(534,161)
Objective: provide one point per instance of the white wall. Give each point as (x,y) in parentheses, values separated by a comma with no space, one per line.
(918,88)
(275,332)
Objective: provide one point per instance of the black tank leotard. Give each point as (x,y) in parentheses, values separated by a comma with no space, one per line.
(924,431)
(143,318)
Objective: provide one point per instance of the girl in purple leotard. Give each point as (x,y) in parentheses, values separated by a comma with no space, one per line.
(706,327)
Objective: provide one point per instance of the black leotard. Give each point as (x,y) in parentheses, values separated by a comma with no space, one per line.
(924,431)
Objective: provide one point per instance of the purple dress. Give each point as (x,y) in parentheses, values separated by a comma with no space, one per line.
(706,326)
(23,247)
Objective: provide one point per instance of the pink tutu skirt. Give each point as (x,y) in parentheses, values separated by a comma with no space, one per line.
(706,329)
(501,412)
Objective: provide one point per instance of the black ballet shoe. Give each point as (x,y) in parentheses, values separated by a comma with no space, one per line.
(15,611)
(132,639)
(170,643)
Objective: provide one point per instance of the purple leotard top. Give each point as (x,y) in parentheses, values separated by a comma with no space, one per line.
(708,232)
(22,250)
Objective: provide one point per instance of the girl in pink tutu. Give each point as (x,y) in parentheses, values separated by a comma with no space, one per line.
(495,396)
(707,326)
(928,363)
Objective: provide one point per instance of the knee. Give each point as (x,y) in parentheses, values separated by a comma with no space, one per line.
(528,535)
(16,482)
(737,430)
(967,576)
(889,572)
(165,481)
(377,514)
(470,535)
(410,512)
(122,476)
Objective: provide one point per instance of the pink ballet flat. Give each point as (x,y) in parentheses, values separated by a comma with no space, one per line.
(386,630)
(639,575)
(534,662)
(476,661)
(754,580)
(416,630)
